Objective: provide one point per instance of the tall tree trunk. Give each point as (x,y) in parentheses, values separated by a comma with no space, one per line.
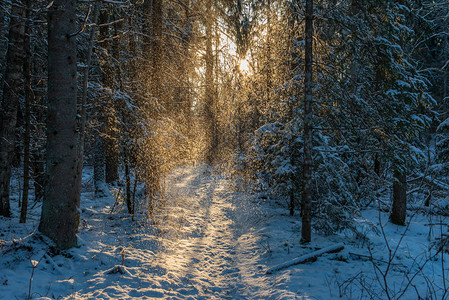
(112,151)
(109,116)
(128,185)
(269,73)
(446,59)
(38,167)
(156,52)
(182,91)
(399,210)
(148,11)
(99,171)
(28,98)
(209,88)
(294,155)
(306,203)
(58,219)
(4,7)
(83,110)
(377,165)
(355,68)
(9,106)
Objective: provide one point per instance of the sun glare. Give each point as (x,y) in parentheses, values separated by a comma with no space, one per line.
(244,65)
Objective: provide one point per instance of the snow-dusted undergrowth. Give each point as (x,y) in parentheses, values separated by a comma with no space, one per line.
(209,241)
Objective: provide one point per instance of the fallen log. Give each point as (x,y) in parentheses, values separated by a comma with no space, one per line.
(306,258)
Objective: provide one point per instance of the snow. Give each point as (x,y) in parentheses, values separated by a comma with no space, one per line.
(212,238)
(444,125)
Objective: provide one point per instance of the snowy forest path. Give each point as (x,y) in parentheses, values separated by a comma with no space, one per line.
(206,253)
(200,247)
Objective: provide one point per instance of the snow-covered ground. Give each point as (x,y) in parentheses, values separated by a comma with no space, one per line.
(213,239)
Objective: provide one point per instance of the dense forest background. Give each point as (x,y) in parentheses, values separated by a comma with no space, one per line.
(325,104)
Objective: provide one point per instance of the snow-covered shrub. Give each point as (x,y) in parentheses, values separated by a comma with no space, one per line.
(274,148)
(443,147)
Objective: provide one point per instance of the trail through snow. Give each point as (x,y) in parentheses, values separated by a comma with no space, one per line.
(210,238)
(200,237)
(198,249)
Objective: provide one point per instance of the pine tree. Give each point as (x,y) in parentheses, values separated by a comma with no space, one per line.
(58,219)
(306,202)
(9,106)
(28,101)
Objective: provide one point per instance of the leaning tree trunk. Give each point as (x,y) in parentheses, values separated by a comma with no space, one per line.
(306,202)
(58,219)
(399,210)
(11,93)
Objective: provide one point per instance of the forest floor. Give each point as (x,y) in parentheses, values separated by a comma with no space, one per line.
(211,238)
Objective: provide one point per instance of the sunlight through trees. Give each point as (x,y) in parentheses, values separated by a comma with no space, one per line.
(325,105)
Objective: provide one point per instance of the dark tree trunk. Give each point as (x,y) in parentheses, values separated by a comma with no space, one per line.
(306,203)
(156,52)
(148,11)
(355,68)
(9,106)
(399,210)
(377,165)
(108,116)
(209,89)
(28,99)
(269,72)
(99,178)
(58,219)
(38,126)
(112,158)
(128,185)
(4,7)
(83,111)
(182,95)
(292,201)
(445,59)
(38,167)
(295,177)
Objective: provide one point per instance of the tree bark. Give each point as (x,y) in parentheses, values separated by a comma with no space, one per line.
(58,219)
(83,111)
(306,202)
(399,210)
(156,52)
(83,100)
(108,117)
(112,152)
(295,175)
(269,71)
(128,185)
(182,93)
(99,175)
(3,9)
(209,88)
(28,98)
(38,167)
(9,106)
